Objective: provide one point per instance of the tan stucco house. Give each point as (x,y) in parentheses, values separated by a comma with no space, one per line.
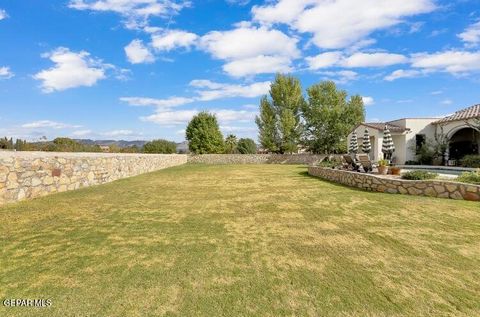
(461,130)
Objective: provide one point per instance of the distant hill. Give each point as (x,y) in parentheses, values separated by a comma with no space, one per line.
(182,147)
(119,143)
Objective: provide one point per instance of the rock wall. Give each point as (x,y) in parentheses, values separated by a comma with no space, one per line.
(255,158)
(433,188)
(26,175)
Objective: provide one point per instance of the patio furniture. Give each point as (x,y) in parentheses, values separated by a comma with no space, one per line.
(366,162)
(350,163)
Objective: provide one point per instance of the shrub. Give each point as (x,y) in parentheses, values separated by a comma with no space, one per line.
(203,134)
(471,161)
(411,162)
(419,175)
(470,177)
(382,163)
(246,146)
(160,147)
(231,143)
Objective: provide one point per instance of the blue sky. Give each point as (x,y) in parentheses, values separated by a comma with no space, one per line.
(140,69)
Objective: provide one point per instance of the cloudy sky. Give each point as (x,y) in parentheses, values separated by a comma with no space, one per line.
(140,69)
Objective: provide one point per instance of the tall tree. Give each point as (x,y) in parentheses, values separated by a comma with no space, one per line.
(247,146)
(329,117)
(231,144)
(203,134)
(279,122)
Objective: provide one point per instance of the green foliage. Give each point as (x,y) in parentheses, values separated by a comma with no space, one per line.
(471,161)
(160,147)
(246,146)
(383,163)
(279,122)
(231,144)
(470,177)
(203,134)
(419,175)
(329,117)
(6,144)
(67,145)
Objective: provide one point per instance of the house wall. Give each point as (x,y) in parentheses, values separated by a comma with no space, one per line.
(26,175)
(417,126)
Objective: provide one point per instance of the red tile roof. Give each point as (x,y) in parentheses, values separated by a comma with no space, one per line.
(464,114)
(381,125)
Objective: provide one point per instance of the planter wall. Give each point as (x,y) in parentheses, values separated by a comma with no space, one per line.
(433,188)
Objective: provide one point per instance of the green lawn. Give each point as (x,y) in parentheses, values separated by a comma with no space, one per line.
(261,240)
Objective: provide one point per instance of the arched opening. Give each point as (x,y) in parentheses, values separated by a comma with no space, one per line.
(464,142)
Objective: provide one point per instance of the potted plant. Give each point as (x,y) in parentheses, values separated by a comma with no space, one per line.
(395,170)
(383,167)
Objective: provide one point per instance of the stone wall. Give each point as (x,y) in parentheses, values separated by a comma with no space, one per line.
(32,174)
(255,158)
(432,188)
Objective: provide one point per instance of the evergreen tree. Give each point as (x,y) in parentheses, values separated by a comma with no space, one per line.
(279,122)
(203,134)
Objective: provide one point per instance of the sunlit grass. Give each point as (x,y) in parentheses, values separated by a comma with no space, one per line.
(261,240)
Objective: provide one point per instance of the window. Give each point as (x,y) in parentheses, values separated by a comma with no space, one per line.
(420,140)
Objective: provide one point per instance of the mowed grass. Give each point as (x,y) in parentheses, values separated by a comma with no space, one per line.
(261,240)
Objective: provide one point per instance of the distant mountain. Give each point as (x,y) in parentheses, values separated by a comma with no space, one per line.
(119,143)
(182,147)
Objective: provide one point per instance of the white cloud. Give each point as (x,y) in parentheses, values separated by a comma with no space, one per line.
(324,60)
(225,115)
(246,42)
(403,73)
(48,124)
(373,60)
(471,36)
(446,102)
(3,14)
(454,62)
(340,23)
(341,77)
(161,103)
(368,101)
(250,50)
(258,65)
(172,39)
(138,53)
(6,73)
(357,60)
(436,92)
(171,117)
(135,12)
(70,70)
(82,132)
(209,90)
(116,133)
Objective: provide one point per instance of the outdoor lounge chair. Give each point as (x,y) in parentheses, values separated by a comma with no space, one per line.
(366,163)
(350,163)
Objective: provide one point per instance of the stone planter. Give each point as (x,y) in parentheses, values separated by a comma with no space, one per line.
(383,170)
